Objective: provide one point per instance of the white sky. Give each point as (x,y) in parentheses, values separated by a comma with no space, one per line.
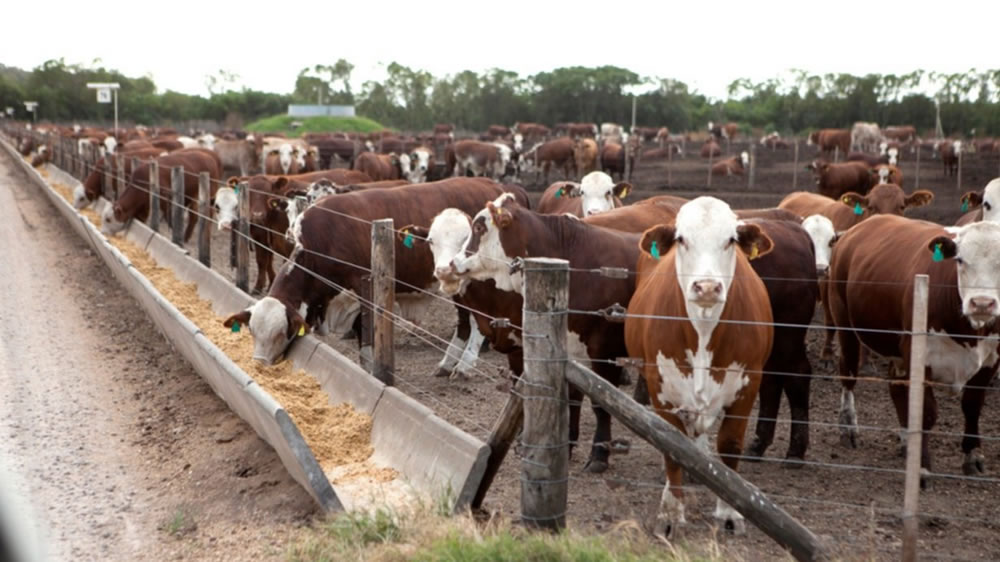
(706,43)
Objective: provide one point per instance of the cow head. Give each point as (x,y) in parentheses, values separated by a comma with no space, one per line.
(886,199)
(745,159)
(274,326)
(600,193)
(295,207)
(485,255)
(320,189)
(884,174)
(207,141)
(286,154)
(706,237)
(110,145)
(420,162)
(973,250)
(518,142)
(823,236)
(226,203)
(813,138)
(113,219)
(988,199)
(893,156)
(446,237)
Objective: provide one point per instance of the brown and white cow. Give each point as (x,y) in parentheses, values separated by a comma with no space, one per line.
(950,151)
(981,205)
(888,173)
(479,158)
(90,189)
(871,301)
(556,152)
(504,231)
(852,208)
(829,140)
(723,131)
(834,180)
(706,367)
(596,193)
(383,166)
(585,153)
(732,166)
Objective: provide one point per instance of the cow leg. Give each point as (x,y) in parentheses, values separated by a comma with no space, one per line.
(900,394)
(472,348)
(600,451)
(848,420)
(770,402)
(456,346)
(797,391)
(729,444)
(973,397)
(191,222)
(575,402)
(671,514)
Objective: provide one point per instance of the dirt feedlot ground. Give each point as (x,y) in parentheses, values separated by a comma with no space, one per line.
(856,508)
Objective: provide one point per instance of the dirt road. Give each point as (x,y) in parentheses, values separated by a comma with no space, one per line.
(118,448)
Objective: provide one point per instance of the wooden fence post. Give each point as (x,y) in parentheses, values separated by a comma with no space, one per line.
(120,171)
(916,182)
(753,165)
(628,163)
(243,239)
(154,195)
(177,205)
(836,154)
(383,298)
(918,358)
(545,437)
(505,429)
(204,226)
(107,178)
(670,163)
(795,167)
(710,157)
(958,182)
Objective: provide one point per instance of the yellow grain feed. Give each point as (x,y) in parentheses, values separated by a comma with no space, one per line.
(338,435)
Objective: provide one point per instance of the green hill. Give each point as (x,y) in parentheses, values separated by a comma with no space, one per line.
(283,124)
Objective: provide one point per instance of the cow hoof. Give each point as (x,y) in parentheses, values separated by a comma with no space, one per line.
(793,463)
(849,438)
(595,466)
(755,451)
(925,478)
(737,527)
(974,465)
(442,372)
(667,529)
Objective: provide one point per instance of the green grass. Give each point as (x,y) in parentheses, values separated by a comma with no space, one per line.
(283,124)
(180,522)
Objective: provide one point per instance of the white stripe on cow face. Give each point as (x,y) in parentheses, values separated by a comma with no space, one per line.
(285,153)
(269,326)
(447,236)
(822,234)
(80,197)
(707,243)
(991,201)
(978,272)
(597,190)
(893,156)
(225,207)
(295,209)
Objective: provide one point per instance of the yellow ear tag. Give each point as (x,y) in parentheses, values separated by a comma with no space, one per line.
(847,199)
(754,252)
(302,331)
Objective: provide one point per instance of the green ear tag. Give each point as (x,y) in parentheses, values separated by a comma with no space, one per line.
(408,241)
(965,205)
(236,327)
(236,190)
(858,210)
(938,256)
(558,193)
(654,250)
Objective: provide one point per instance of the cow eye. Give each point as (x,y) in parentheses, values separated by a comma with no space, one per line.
(959,260)
(986,205)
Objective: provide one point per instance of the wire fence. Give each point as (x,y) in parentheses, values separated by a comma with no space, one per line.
(444,346)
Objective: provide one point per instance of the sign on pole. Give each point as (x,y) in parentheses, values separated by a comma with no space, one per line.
(104,95)
(106,92)
(32,106)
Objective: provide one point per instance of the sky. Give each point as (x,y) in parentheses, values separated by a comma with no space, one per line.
(706,44)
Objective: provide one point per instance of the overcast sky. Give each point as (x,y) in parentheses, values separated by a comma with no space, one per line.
(706,43)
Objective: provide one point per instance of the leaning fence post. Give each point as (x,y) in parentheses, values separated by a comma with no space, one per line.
(204,227)
(918,358)
(243,240)
(753,165)
(154,195)
(545,437)
(795,167)
(508,424)
(383,298)
(177,205)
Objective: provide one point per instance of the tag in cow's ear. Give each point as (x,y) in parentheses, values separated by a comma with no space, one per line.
(274,203)
(302,330)
(965,204)
(754,252)
(938,256)
(235,327)
(654,251)
(858,210)
(408,241)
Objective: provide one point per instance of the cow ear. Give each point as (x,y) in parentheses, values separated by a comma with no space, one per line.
(753,241)
(242,317)
(943,246)
(413,234)
(501,217)
(234,180)
(656,241)
(567,189)
(919,198)
(279,184)
(622,189)
(295,193)
(852,199)
(277,203)
(972,199)
(296,325)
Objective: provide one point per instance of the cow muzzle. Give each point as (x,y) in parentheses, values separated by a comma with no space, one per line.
(706,292)
(981,310)
(822,271)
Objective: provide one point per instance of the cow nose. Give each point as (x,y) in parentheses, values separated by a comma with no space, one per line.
(707,289)
(822,270)
(982,305)
(445,271)
(225,225)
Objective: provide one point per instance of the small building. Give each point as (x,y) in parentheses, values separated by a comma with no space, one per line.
(301,110)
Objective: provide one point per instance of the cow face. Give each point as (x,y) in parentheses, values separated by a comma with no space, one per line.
(319,189)
(295,207)
(893,156)
(518,142)
(988,199)
(823,236)
(420,163)
(599,192)
(974,251)
(226,203)
(446,237)
(274,326)
(110,145)
(80,199)
(745,159)
(113,219)
(887,199)
(707,236)
(483,255)
(286,153)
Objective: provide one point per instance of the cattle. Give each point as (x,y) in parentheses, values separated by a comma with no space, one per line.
(663,135)
(823,235)
(574,130)
(42,156)
(773,141)
(834,180)
(981,205)
(556,152)
(887,173)
(831,140)
(851,208)
(497,131)
(660,153)
(504,231)
(585,154)
(446,128)
(889,151)
(282,159)
(383,166)
(871,301)
(647,134)
(240,156)
(903,133)
(612,132)
(613,159)
(865,137)
(706,367)
(532,131)
(299,200)
(727,131)
(710,149)
(421,163)
(327,269)
(478,159)
(596,193)
(871,160)
(90,189)
(732,166)
(133,201)
(168,144)
(950,154)
(27,146)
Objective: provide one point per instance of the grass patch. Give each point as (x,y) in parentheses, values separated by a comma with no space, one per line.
(322,124)
(179,523)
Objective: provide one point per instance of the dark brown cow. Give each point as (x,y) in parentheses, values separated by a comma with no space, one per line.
(871,300)
(169,144)
(381,166)
(828,140)
(504,231)
(710,149)
(339,228)
(834,180)
(613,159)
(556,152)
(42,155)
(732,166)
(90,189)
(133,201)
(950,151)
(697,374)
(343,149)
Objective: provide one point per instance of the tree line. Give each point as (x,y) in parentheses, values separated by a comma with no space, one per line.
(414,99)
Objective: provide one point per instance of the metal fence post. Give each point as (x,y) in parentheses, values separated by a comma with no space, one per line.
(177,205)
(711,154)
(916,182)
(545,437)
(204,226)
(243,238)
(918,358)
(154,195)
(383,298)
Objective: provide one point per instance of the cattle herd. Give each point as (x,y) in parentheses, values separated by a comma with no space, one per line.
(718,299)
